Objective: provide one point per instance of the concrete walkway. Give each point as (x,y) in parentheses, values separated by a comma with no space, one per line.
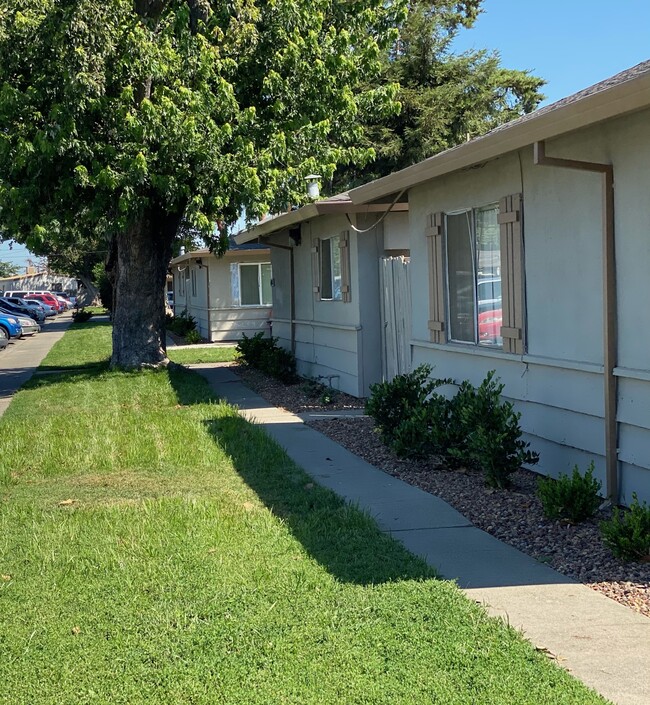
(20,358)
(603,643)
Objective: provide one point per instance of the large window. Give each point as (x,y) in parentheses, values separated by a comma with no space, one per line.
(474,276)
(255,284)
(330,270)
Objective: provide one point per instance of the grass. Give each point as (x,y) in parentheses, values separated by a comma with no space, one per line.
(156,548)
(89,344)
(189,355)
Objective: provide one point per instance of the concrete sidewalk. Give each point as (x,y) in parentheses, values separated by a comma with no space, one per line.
(603,643)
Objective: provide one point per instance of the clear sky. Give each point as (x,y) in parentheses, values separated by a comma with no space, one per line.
(570,43)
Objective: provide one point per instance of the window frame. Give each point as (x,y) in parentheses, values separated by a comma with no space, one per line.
(260,288)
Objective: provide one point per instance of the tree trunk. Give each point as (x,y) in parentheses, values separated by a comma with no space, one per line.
(143,254)
(87,293)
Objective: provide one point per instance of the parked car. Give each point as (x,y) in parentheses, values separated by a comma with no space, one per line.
(10,326)
(4,339)
(37,313)
(63,302)
(489,327)
(47,311)
(46,299)
(28,325)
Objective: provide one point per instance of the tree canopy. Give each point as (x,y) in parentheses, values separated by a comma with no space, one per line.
(446,98)
(8,269)
(122,119)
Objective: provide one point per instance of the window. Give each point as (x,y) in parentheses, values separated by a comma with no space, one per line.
(194,282)
(255,284)
(330,270)
(476,276)
(473,276)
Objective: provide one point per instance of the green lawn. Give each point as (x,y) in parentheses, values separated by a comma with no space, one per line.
(89,344)
(156,548)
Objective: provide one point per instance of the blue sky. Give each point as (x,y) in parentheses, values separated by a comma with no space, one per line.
(571,44)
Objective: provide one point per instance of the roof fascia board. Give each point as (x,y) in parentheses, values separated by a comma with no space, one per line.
(613,102)
(312,210)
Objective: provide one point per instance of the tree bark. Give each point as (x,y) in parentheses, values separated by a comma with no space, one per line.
(140,272)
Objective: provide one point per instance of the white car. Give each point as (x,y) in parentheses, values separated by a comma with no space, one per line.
(28,325)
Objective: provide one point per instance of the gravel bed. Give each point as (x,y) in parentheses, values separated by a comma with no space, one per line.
(514,516)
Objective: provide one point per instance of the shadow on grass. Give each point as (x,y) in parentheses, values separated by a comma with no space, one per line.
(340,537)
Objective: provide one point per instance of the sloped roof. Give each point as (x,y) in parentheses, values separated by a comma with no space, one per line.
(622,93)
(245,250)
(339,203)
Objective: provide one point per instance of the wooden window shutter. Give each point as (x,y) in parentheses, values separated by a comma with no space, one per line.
(435,234)
(315,266)
(512,274)
(344,246)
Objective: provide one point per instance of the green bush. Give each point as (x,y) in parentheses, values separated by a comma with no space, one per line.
(317,390)
(410,416)
(570,498)
(266,355)
(493,435)
(81,316)
(627,533)
(251,350)
(180,325)
(279,363)
(192,337)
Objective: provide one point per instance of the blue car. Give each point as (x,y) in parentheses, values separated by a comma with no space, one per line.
(10,326)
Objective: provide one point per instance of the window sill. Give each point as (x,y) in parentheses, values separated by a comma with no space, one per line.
(525,359)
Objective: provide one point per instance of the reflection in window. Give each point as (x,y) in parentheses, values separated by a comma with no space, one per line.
(330,270)
(255,284)
(474,276)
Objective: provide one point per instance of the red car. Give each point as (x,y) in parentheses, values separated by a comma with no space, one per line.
(489,327)
(46,299)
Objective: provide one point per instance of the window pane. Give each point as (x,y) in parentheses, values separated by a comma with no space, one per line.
(460,276)
(267,296)
(326,269)
(488,259)
(336,269)
(249,284)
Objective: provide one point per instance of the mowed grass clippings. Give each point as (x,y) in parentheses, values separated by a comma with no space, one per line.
(156,548)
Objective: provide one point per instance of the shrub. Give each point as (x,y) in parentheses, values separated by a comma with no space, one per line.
(627,533)
(266,355)
(279,363)
(490,432)
(252,349)
(180,325)
(81,316)
(192,337)
(570,498)
(410,416)
(317,390)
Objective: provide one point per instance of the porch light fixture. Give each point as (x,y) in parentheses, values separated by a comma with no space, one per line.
(313,188)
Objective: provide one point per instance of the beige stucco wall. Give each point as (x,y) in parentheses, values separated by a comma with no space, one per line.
(222,319)
(336,342)
(558,383)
